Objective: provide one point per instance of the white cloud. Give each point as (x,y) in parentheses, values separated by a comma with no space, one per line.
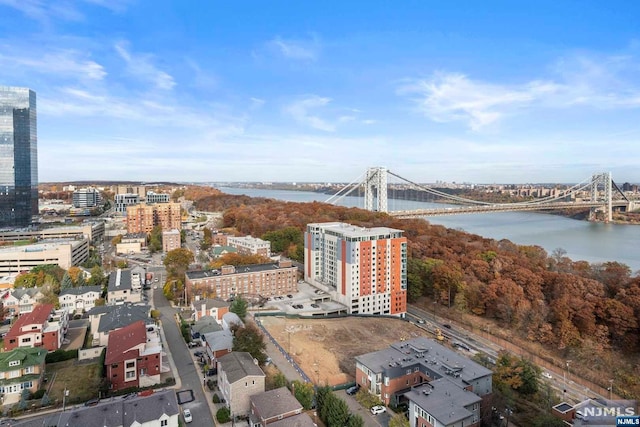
(256,103)
(577,81)
(142,67)
(62,63)
(447,97)
(308,50)
(300,111)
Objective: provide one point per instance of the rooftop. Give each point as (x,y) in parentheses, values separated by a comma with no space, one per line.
(81,290)
(38,316)
(349,230)
(28,356)
(254,268)
(119,316)
(124,339)
(119,280)
(238,365)
(444,400)
(275,402)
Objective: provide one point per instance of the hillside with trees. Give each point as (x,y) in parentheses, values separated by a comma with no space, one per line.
(589,313)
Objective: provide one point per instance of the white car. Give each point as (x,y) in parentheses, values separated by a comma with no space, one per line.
(547,375)
(187,416)
(378,409)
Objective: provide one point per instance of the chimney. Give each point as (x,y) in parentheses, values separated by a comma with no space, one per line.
(204,309)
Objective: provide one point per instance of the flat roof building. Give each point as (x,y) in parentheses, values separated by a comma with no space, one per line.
(363,268)
(64,252)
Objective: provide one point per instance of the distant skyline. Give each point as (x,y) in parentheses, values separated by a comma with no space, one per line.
(483,92)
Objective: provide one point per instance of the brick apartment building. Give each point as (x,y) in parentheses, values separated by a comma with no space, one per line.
(248,245)
(262,280)
(142,218)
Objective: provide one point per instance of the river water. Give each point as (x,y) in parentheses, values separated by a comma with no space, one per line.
(582,240)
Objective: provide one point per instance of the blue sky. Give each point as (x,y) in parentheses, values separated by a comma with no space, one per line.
(477,91)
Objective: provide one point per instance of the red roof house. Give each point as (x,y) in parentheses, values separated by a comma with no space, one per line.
(34,329)
(133,356)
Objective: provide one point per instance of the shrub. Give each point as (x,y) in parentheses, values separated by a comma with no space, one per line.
(215,399)
(223,415)
(38,394)
(61,356)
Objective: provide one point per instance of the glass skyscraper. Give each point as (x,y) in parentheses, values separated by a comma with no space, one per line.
(18,156)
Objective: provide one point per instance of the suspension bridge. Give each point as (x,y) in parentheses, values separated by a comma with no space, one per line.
(599,193)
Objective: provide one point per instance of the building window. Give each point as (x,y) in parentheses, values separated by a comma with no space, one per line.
(164,423)
(130,364)
(14,363)
(130,374)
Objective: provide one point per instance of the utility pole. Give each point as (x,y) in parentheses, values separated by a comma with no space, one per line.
(65,393)
(610,388)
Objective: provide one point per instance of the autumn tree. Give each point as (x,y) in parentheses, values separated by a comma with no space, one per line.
(304,393)
(154,240)
(207,239)
(399,420)
(177,262)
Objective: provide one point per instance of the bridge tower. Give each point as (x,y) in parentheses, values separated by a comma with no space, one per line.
(375,190)
(602,182)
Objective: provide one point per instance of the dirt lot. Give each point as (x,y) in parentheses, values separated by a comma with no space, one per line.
(325,348)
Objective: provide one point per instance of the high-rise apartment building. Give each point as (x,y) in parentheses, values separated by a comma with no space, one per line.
(363,268)
(18,156)
(142,218)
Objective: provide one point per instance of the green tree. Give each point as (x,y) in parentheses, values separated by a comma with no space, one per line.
(207,239)
(154,240)
(66,282)
(335,411)
(80,281)
(97,277)
(279,380)
(122,264)
(321,396)
(46,401)
(304,393)
(399,420)
(24,396)
(356,420)
(249,338)
(282,240)
(239,307)
(177,262)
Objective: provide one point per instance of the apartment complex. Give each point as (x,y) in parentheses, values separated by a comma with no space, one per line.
(171,240)
(363,268)
(262,280)
(64,252)
(395,373)
(143,217)
(248,245)
(18,156)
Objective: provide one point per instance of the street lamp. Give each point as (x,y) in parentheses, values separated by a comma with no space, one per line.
(564,374)
(610,388)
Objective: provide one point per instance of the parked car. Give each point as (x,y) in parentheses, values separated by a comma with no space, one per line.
(314,305)
(211,372)
(421,321)
(198,354)
(353,390)
(193,344)
(187,416)
(378,409)
(547,375)
(92,402)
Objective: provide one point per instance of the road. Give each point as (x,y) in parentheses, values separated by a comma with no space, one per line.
(190,374)
(559,382)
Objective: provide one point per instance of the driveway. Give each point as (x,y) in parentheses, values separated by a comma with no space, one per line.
(380,420)
(190,374)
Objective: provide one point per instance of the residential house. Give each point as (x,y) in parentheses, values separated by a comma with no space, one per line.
(443,403)
(159,409)
(218,251)
(104,319)
(392,372)
(124,286)
(209,307)
(41,328)
(204,326)
(277,408)
(230,319)
(239,378)
(20,368)
(19,301)
(134,357)
(80,299)
(216,345)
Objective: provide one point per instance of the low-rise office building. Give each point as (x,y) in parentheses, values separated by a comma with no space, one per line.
(123,201)
(86,198)
(65,253)
(152,197)
(92,230)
